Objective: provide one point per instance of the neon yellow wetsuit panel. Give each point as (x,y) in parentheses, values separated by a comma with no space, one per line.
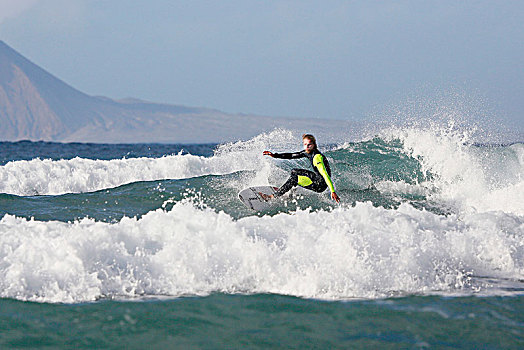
(304,181)
(318,162)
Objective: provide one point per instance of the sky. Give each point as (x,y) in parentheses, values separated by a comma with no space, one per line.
(322,59)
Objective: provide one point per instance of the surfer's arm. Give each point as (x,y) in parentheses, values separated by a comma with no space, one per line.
(293,155)
(318,162)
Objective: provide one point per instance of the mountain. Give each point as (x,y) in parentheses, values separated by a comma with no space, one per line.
(35,105)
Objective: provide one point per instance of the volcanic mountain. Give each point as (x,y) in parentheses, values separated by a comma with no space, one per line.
(35,105)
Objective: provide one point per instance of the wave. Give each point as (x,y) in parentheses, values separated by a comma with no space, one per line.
(465,176)
(424,211)
(436,167)
(53,177)
(47,177)
(349,252)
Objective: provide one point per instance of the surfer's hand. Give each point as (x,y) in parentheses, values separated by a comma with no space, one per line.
(267,153)
(334,196)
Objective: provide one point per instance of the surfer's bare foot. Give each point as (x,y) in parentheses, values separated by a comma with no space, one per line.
(266,197)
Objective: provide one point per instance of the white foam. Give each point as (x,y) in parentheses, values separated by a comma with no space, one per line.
(50,177)
(471,178)
(359,251)
(402,188)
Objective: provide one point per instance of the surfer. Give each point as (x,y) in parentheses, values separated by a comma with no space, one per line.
(317,180)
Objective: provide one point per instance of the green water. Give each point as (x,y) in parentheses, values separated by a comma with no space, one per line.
(266,321)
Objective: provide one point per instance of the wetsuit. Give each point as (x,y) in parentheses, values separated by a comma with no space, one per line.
(317,180)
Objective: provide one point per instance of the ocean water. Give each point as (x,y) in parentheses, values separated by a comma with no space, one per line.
(147,246)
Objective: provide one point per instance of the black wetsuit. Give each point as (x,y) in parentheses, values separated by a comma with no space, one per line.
(317,180)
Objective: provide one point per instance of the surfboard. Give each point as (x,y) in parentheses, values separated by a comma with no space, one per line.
(253,200)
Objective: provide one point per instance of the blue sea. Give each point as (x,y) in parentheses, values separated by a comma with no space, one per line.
(112,246)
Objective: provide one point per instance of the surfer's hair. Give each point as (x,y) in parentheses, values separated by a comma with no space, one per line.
(310,138)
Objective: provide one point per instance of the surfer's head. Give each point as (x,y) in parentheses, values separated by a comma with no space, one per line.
(310,144)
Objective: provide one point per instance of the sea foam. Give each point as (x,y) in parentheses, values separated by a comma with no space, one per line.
(54,177)
(349,252)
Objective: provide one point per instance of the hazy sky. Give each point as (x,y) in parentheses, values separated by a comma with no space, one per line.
(329,59)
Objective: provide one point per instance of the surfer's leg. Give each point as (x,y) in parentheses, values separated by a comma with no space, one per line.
(289,184)
(318,185)
(315,182)
(298,177)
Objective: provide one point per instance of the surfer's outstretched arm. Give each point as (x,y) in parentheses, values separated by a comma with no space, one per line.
(294,155)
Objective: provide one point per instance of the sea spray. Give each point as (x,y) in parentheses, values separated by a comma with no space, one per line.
(467,176)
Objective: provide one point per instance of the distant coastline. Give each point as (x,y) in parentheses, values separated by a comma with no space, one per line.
(37,106)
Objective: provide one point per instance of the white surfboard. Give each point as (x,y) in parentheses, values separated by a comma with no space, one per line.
(253,200)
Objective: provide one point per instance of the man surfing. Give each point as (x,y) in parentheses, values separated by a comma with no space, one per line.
(317,180)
